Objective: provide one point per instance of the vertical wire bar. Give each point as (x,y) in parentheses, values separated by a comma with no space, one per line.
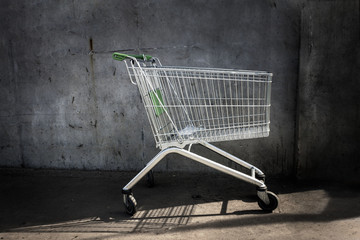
(170,93)
(248,102)
(194,99)
(207,115)
(181,80)
(258,110)
(185,77)
(216,116)
(223,100)
(265,96)
(200,110)
(168,99)
(162,117)
(264,100)
(218,101)
(187,90)
(171,88)
(209,99)
(263,104)
(242,103)
(156,83)
(150,74)
(192,102)
(178,98)
(221,106)
(268,92)
(143,88)
(258,107)
(231,82)
(226,104)
(213,107)
(237,102)
(253,100)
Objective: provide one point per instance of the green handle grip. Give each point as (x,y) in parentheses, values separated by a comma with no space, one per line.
(122,56)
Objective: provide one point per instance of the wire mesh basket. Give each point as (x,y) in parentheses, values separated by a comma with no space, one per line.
(189,104)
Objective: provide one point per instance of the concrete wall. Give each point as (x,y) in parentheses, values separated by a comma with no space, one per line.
(329,84)
(63,108)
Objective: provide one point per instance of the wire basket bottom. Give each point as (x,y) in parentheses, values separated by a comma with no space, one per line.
(191,134)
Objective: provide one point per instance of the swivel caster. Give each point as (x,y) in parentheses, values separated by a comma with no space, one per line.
(267,201)
(130,204)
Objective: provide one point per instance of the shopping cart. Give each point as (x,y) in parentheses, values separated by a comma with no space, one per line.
(188,106)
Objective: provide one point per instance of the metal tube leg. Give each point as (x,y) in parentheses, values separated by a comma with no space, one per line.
(231,157)
(221,167)
(146,169)
(197,158)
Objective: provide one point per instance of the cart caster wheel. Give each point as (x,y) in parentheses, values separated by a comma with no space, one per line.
(130,204)
(273,204)
(150,179)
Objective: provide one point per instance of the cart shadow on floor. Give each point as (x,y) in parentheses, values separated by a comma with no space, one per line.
(299,203)
(152,220)
(177,216)
(36,203)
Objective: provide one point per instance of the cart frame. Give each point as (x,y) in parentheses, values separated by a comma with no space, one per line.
(141,70)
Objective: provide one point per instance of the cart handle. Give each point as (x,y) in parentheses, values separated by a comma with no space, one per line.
(122,56)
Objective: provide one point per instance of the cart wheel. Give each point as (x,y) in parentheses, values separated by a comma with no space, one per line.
(130,204)
(274,201)
(150,179)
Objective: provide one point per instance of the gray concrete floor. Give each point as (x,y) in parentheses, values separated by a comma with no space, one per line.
(49,204)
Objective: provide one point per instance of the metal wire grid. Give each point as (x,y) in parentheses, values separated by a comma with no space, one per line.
(185,105)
